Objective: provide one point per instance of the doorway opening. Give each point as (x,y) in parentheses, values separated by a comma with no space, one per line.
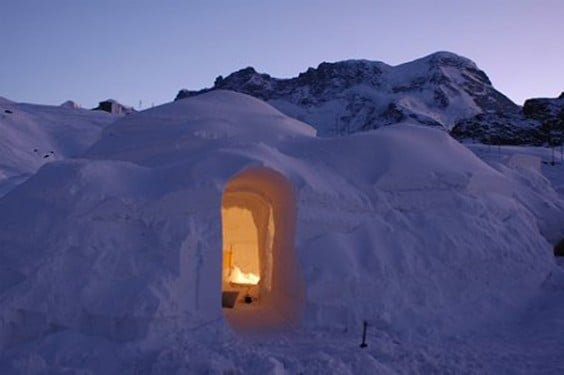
(248,232)
(261,286)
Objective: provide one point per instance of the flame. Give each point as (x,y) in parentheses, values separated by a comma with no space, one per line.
(237,276)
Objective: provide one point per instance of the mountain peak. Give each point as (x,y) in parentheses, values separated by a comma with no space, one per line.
(449,59)
(246,75)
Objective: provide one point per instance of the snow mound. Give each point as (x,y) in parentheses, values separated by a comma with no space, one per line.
(402,227)
(537,183)
(71,104)
(184,128)
(33,135)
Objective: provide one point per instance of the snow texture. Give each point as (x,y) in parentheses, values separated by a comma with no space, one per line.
(33,135)
(111,262)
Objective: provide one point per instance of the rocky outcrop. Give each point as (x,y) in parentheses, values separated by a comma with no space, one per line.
(545,109)
(549,112)
(540,122)
(559,249)
(499,128)
(114,107)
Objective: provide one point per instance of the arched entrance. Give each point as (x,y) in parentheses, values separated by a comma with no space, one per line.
(261,285)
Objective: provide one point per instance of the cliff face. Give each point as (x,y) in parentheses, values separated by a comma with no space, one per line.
(539,122)
(545,109)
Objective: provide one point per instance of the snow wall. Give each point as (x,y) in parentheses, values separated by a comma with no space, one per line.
(402,227)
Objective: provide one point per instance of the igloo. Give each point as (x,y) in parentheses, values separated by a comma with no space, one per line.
(178,207)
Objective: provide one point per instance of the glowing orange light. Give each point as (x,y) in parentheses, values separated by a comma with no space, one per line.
(236,276)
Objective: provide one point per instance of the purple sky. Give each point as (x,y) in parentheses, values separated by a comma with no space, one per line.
(147,50)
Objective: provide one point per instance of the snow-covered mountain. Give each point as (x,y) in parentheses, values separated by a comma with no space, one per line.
(348,96)
(33,135)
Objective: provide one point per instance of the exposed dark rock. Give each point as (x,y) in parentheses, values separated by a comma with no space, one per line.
(393,113)
(550,115)
(441,98)
(541,122)
(499,129)
(114,107)
(559,249)
(544,109)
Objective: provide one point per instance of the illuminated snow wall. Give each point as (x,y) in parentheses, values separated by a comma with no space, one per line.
(259,260)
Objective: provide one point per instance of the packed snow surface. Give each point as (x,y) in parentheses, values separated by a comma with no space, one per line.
(111,262)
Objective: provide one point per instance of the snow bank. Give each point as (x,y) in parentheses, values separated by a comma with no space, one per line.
(188,129)
(71,104)
(402,226)
(538,184)
(33,135)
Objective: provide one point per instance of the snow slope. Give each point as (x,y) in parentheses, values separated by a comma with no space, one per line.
(111,263)
(532,166)
(33,135)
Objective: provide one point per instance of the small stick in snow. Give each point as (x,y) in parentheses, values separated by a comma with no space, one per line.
(364,344)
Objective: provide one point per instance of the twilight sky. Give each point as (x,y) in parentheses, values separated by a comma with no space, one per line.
(146,50)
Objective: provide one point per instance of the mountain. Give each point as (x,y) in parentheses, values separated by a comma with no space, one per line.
(438,90)
(539,122)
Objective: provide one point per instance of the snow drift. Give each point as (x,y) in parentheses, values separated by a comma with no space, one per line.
(33,135)
(402,226)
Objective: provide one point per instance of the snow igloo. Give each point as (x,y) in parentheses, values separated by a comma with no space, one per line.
(220,210)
